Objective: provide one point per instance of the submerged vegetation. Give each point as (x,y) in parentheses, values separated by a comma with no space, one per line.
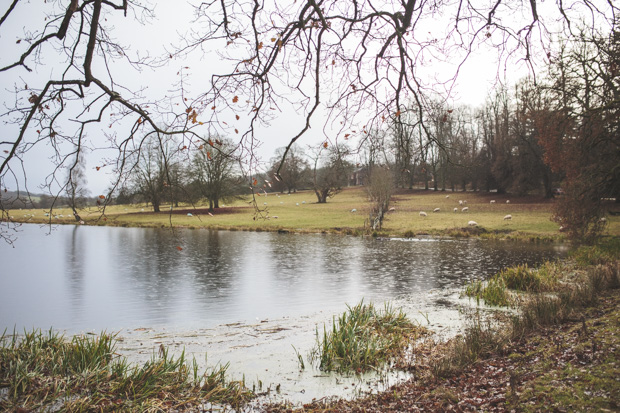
(363,338)
(44,371)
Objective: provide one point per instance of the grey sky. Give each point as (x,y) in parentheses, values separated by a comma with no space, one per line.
(173,21)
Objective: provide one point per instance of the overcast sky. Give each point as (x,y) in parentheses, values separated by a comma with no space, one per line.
(477,77)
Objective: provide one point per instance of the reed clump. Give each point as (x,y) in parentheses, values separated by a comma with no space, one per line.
(479,340)
(499,289)
(363,338)
(44,371)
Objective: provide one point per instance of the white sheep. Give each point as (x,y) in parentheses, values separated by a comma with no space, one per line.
(436,210)
(507,217)
(189,214)
(422,214)
(456,210)
(508,201)
(354,210)
(472,223)
(465,209)
(492,201)
(392,209)
(460,202)
(447,196)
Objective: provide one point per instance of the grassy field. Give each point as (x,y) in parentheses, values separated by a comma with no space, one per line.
(346,213)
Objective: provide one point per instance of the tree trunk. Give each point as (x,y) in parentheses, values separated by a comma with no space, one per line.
(322,196)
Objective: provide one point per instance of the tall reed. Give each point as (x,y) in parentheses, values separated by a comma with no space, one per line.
(45,370)
(363,338)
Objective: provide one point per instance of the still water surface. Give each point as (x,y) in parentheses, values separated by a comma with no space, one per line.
(94,278)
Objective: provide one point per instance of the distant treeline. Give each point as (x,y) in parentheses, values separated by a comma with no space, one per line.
(25,200)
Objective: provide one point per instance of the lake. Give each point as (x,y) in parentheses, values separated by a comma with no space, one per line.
(242,298)
(93,278)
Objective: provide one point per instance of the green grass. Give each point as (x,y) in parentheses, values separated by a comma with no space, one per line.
(363,338)
(573,370)
(605,250)
(530,216)
(41,370)
(493,292)
(496,291)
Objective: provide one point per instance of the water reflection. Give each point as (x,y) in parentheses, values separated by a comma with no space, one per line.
(110,278)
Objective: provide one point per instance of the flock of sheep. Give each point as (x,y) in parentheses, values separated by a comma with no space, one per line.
(464,208)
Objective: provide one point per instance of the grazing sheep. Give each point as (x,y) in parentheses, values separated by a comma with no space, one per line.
(392,209)
(422,213)
(507,217)
(275,217)
(189,214)
(460,202)
(465,209)
(436,210)
(508,201)
(464,201)
(354,210)
(603,219)
(472,223)
(456,209)
(447,196)
(492,201)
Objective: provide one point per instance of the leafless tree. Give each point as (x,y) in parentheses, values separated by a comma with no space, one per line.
(380,192)
(330,171)
(359,60)
(212,171)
